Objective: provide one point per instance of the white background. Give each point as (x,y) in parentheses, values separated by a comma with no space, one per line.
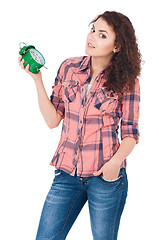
(58,30)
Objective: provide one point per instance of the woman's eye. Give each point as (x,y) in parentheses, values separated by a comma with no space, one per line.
(102,35)
(92,30)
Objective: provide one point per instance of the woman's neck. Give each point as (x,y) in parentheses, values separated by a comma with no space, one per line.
(98,64)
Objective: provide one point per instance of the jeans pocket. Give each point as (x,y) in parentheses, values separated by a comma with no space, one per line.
(58,173)
(111,181)
(114,181)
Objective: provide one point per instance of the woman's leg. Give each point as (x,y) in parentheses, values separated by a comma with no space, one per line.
(106,200)
(61,208)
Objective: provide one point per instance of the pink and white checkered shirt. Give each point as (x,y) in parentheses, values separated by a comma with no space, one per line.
(89,136)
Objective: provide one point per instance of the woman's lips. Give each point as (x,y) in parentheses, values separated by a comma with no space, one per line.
(90,45)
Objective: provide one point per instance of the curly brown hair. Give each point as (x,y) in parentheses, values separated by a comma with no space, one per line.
(126,64)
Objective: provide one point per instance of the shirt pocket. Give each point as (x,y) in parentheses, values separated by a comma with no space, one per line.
(70,88)
(105,101)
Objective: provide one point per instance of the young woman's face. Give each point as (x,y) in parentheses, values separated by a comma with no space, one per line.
(100,40)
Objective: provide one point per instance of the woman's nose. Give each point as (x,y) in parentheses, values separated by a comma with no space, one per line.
(92,37)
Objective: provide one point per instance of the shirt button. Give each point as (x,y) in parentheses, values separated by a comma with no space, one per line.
(76,153)
(91,92)
(79,137)
(80,121)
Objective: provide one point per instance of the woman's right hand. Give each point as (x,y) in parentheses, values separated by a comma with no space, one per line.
(36,77)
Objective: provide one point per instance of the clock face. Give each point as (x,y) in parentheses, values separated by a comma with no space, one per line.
(37,56)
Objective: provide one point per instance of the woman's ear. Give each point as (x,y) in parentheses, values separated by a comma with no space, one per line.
(116,49)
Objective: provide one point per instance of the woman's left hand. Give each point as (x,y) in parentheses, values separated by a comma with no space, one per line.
(110,170)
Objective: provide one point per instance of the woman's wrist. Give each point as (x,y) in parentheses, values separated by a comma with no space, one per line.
(38,81)
(116,161)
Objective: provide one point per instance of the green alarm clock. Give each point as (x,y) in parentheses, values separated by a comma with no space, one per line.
(32,57)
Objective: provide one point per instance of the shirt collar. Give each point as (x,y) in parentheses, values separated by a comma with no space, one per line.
(86,64)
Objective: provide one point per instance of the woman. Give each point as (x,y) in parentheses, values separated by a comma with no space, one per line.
(94,95)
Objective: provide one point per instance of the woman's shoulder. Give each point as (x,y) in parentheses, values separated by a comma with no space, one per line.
(75,60)
(72,63)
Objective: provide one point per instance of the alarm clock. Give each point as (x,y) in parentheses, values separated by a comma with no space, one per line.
(32,57)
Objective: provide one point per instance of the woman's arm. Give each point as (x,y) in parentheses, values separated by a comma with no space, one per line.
(126,147)
(111,169)
(52,118)
(129,133)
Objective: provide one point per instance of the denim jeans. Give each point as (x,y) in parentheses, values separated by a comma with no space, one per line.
(67,196)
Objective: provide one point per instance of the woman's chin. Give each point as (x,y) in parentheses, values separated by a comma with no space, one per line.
(88,52)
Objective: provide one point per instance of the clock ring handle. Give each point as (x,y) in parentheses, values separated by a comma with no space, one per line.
(27,48)
(22,43)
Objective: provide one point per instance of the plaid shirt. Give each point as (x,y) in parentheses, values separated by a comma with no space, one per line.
(89,136)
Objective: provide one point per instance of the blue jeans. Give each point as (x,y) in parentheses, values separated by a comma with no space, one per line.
(67,196)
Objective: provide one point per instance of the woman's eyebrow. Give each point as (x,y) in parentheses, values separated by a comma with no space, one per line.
(101,30)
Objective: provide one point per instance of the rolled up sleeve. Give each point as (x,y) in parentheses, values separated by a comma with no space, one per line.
(130,113)
(56,96)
